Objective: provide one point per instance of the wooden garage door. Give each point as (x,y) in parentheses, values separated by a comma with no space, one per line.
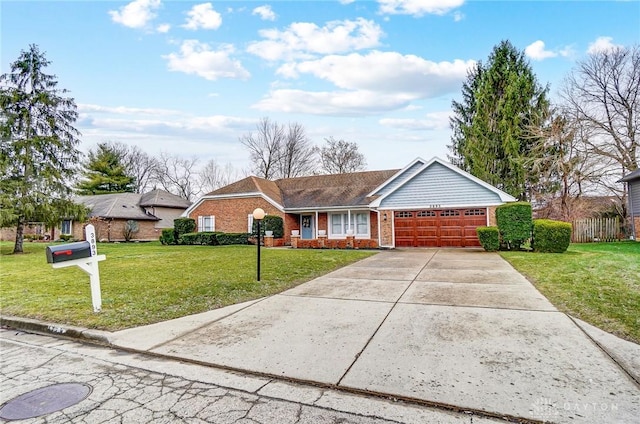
(439,228)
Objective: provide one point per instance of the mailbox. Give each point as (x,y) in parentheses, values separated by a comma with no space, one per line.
(68,252)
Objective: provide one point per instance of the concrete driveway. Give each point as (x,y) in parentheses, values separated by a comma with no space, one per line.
(456,328)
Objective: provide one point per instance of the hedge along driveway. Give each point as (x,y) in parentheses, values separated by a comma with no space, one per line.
(143,283)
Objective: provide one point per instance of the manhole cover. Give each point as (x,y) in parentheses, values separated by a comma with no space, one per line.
(44,401)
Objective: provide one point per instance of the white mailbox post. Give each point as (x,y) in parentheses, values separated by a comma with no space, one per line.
(90,266)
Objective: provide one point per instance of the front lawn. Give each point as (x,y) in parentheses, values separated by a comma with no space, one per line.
(143,283)
(596,282)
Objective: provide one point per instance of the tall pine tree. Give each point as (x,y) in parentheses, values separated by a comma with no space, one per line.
(501,100)
(38,155)
(105,173)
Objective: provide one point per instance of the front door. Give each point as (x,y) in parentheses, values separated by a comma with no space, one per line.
(307,226)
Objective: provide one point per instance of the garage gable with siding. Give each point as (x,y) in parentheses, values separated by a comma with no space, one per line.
(435,204)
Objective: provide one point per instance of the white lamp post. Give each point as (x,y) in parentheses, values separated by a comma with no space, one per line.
(258,215)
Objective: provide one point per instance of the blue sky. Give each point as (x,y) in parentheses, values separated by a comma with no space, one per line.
(190,78)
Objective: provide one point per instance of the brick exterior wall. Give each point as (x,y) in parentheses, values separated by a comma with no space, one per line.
(231,214)
(636,221)
(113,230)
(492,216)
(386,229)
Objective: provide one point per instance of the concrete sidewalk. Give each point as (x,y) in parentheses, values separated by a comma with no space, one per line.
(459,329)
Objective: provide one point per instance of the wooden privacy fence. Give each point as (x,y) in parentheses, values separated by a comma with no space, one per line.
(595,229)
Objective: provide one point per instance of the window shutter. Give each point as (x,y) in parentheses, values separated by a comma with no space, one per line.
(213,222)
(200,223)
(249,223)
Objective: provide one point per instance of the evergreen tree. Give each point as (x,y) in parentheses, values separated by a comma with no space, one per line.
(38,154)
(490,138)
(105,173)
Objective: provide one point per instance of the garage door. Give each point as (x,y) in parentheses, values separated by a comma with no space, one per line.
(439,228)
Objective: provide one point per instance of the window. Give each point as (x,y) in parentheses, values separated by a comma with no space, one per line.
(339,224)
(450,212)
(206,223)
(426,213)
(404,215)
(65,227)
(474,212)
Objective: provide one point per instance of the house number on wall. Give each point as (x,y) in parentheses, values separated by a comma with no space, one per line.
(434,206)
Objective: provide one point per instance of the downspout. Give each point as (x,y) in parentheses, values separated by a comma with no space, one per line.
(379,229)
(631,211)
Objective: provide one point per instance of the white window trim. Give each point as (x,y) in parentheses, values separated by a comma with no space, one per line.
(201,227)
(351,216)
(70,227)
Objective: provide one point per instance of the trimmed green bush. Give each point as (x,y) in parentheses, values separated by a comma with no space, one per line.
(514,222)
(551,236)
(489,238)
(205,238)
(184,226)
(273,223)
(233,238)
(269,223)
(168,236)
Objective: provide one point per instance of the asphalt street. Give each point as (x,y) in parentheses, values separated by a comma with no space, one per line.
(134,388)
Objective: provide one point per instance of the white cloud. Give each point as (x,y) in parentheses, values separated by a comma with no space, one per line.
(336,103)
(303,39)
(602,45)
(458,16)
(163,28)
(122,110)
(198,58)
(388,72)
(538,51)
(203,16)
(265,13)
(418,7)
(432,121)
(136,14)
(367,84)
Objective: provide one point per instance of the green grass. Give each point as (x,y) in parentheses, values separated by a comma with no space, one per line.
(596,282)
(143,283)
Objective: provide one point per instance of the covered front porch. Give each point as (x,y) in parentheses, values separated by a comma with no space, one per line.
(333,229)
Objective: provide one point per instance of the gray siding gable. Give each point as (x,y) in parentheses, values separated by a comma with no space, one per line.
(398,180)
(438,186)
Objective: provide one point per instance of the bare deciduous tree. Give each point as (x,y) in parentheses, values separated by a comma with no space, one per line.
(177,175)
(265,147)
(213,176)
(277,151)
(298,155)
(138,164)
(604,93)
(339,157)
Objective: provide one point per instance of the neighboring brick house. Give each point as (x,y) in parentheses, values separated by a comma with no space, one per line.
(633,189)
(152,212)
(427,203)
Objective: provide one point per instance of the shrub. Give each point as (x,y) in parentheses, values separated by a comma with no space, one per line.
(184,226)
(551,236)
(489,238)
(234,238)
(168,236)
(205,238)
(271,223)
(130,228)
(514,222)
(66,237)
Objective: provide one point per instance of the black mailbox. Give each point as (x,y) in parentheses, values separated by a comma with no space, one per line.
(68,252)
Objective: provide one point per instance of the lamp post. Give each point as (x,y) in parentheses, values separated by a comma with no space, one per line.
(258,215)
